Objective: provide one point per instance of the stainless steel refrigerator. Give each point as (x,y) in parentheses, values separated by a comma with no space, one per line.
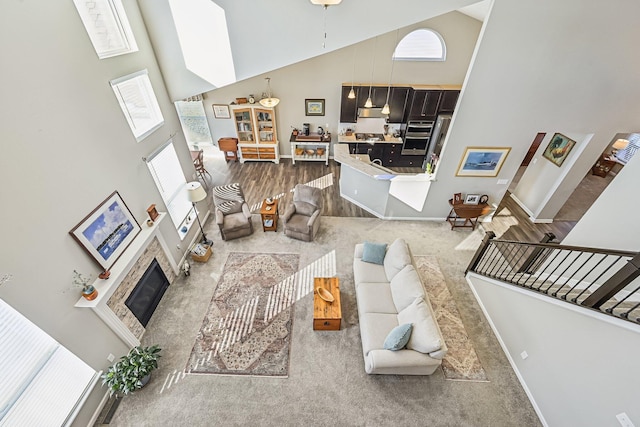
(440,129)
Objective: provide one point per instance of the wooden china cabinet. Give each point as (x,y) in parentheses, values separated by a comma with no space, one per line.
(256,129)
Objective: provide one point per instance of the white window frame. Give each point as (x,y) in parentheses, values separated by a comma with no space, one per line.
(423,44)
(138,103)
(43,383)
(169,178)
(108,27)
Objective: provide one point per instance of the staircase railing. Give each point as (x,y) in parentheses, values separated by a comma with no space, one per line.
(597,279)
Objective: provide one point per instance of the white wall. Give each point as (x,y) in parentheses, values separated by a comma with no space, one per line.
(581,370)
(544,186)
(66,146)
(610,223)
(542,66)
(323,76)
(265,36)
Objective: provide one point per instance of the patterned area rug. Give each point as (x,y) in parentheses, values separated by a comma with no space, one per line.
(461,362)
(247,328)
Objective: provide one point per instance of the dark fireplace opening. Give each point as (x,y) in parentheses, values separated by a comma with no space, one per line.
(147,294)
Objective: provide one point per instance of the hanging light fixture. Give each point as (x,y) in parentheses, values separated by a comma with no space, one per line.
(352,93)
(369,103)
(325,4)
(270,101)
(386,109)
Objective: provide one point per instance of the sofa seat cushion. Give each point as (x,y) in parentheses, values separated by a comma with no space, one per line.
(425,336)
(235,221)
(367,272)
(374,328)
(406,286)
(396,259)
(375,297)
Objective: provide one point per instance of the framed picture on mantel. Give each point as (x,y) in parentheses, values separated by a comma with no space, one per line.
(314,107)
(107,231)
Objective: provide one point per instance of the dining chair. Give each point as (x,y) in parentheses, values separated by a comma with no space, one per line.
(198,162)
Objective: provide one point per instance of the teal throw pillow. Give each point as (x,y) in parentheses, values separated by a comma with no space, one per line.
(398,337)
(374,252)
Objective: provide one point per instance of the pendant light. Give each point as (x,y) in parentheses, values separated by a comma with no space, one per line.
(369,103)
(325,4)
(270,101)
(386,109)
(352,93)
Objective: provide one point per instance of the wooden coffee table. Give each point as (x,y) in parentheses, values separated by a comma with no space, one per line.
(326,315)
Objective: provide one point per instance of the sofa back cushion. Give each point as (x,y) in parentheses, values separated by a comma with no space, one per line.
(406,287)
(396,259)
(425,336)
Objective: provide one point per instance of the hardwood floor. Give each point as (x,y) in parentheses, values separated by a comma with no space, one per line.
(510,222)
(260,180)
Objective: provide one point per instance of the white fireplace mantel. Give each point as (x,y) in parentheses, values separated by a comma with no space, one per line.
(119,270)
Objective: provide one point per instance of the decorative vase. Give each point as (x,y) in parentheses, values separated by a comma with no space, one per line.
(89,292)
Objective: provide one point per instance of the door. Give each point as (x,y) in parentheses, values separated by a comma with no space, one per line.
(533,148)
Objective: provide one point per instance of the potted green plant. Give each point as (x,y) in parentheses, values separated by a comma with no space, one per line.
(132,371)
(82,281)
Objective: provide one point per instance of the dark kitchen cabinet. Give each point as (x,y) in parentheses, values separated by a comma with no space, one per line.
(378,96)
(424,104)
(448,101)
(348,107)
(392,155)
(398,100)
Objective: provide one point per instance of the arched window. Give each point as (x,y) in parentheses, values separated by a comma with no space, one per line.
(421,45)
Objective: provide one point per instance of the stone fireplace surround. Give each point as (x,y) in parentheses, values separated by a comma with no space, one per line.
(125,274)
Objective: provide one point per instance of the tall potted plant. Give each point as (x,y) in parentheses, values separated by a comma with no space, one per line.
(132,371)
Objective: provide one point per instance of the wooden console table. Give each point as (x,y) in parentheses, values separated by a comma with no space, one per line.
(468,214)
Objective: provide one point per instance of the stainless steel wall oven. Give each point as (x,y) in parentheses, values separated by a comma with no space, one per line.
(416,138)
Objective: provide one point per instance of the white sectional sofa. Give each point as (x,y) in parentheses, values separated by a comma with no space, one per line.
(390,295)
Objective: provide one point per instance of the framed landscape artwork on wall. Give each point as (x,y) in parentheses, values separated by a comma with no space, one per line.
(221,111)
(314,107)
(482,161)
(107,231)
(558,149)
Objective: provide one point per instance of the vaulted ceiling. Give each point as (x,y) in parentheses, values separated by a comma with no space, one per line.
(204,44)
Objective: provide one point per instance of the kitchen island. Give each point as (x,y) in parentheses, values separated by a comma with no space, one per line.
(379,190)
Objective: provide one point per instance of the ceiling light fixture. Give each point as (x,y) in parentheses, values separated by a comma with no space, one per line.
(386,109)
(269,101)
(325,4)
(369,103)
(352,93)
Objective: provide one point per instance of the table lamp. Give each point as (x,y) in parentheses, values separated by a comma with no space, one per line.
(620,144)
(195,193)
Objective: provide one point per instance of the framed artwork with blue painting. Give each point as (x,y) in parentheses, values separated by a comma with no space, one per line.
(107,231)
(482,161)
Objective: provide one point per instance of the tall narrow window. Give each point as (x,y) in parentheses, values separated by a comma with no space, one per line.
(421,45)
(138,103)
(169,178)
(43,383)
(107,26)
(194,121)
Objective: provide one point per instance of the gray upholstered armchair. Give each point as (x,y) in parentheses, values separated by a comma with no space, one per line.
(302,217)
(232,212)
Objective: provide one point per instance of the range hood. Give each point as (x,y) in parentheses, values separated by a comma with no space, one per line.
(371,113)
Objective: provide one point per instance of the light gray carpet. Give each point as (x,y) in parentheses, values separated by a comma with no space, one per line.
(327,384)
